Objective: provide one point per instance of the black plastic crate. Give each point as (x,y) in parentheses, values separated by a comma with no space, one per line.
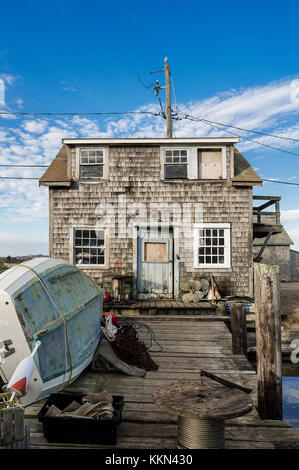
(80,430)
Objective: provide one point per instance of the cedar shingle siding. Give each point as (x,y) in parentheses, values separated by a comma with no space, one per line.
(135,173)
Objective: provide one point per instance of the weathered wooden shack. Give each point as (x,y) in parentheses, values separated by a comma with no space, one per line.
(277,252)
(157,212)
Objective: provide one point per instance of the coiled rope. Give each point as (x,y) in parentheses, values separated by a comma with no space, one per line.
(63,318)
(196,433)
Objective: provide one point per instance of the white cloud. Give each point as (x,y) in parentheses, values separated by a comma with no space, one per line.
(287,215)
(35,127)
(266,108)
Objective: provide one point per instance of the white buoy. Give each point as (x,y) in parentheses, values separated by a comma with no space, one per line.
(21,377)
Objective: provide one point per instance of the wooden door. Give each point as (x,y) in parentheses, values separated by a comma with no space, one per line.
(155,263)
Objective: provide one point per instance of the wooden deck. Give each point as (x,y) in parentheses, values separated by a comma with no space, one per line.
(164,307)
(188,346)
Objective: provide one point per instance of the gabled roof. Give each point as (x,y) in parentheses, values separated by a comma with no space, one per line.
(56,174)
(244,173)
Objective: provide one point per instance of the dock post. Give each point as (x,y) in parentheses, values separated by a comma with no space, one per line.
(238,328)
(268,340)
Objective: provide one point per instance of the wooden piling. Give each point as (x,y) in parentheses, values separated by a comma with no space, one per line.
(238,328)
(268,340)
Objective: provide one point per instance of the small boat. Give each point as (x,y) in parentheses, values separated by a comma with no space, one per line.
(50,301)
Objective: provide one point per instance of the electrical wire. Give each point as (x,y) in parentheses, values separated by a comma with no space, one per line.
(281,182)
(14,113)
(250,130)
(25,166)
(17,178)
(145,86)
(193,118)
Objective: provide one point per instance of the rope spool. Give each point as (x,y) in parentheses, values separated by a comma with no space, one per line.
(200,433)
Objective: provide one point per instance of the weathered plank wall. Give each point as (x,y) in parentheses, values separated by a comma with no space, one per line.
(134,173)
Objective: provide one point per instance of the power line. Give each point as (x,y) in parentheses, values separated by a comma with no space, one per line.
(249,130)
(281,182)
(193,118)
(17,178)
(25,166)
(145,86)
(13,113)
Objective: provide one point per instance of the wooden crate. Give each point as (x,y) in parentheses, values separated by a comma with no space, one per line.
(11,425)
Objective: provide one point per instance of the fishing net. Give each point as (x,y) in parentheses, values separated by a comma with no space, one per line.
(131,350)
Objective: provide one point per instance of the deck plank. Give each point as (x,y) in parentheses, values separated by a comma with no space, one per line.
(187,347)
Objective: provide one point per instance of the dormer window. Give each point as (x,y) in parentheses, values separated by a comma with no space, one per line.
(175,163)
(91,163)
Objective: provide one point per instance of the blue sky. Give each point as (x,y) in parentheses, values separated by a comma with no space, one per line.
(231,62)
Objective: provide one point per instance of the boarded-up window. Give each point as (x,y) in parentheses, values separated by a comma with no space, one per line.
(210,164)
(175,163)
(91,163)
(155,252)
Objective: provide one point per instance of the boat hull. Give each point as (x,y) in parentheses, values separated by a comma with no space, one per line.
(55,303)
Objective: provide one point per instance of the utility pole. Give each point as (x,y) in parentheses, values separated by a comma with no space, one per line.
(168,98)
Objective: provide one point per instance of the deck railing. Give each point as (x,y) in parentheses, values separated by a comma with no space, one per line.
(262,215)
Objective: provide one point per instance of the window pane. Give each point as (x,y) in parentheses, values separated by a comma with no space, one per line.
(211,247)
(168,153)
(168,159)
(184,153)
(176,153)
(78,233)
(100,234)
(183,159)
(175,171)
(91,171)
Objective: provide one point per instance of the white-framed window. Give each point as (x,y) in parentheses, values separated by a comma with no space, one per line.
(89,246)
(175,163)
(212,246)
(91,163)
